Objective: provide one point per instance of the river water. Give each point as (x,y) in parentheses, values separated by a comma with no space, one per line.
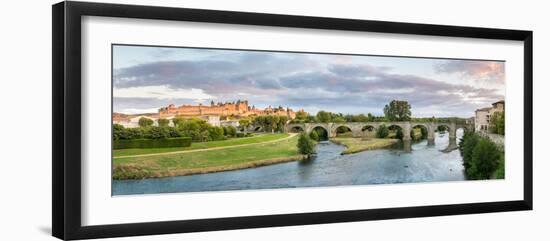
(423,164)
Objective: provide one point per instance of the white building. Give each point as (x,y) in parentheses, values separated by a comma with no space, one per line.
(234,123)
(483,115)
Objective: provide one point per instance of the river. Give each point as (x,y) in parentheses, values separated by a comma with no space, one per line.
(423,164)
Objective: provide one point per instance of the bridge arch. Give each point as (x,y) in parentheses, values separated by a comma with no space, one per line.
(321,131)
(424,131)
(339,129)
(368,131)
(296,129)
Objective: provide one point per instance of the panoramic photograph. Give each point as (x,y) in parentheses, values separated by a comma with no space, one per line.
(187,119)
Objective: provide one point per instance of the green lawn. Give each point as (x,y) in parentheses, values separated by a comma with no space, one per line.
(355,145)
(202,145)
(206,161)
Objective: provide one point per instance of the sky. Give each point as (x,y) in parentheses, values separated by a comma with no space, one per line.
(147,78)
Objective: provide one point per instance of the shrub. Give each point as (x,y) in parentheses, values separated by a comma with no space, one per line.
(305,145)
(121,172)
(382,131)
(314,136)
(215,133)
(155,132)
(163,122)
(152,143)
(466,146)
(230,131)
(145,122)
(484,160)
(496,123)
(240,134)
(499,173)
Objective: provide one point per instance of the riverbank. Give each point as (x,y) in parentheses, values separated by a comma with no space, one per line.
(207,160)
(354,145)
(257,138)
(125,172)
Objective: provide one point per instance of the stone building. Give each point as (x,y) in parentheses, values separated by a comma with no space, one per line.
(483,115)
(235,109)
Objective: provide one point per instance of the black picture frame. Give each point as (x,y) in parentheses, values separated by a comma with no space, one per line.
(66,122)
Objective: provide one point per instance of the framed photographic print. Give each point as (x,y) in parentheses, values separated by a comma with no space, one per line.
(169,120)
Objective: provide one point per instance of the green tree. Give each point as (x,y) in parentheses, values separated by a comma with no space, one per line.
(118,132)
(466,146)
(398,110)
(155,132)
(163,122)
(305,145)
(177,121)
(496,123)
(195,128)
(230,131)
(145,122)
(215,133)
(324,116)
(360,118)
(301,115)
(484,160)
(382,131)
(338,119)
(314,136)
(370,117)
(245,123)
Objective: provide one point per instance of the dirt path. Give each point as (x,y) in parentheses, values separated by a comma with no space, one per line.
(209,149)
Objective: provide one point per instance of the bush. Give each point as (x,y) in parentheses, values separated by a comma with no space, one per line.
(155,132)
(496,123)
(466,146)
(240,134)
(152,143)
(484,160)
(145,122)
(118,132)
(215,133)
(122,172)
(230,131)
(314,136)
(163,122)
(305,145)
(382,131)
(499,173)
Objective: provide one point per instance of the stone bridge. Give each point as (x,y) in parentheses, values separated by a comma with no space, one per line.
(363,129)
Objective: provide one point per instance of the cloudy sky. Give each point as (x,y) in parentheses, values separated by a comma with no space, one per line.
(147,78)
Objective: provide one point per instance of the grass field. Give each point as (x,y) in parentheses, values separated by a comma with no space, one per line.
(202,145)
(355,145)
(230,158)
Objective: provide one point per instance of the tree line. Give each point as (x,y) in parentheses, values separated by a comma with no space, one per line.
(196,129)
(396,110)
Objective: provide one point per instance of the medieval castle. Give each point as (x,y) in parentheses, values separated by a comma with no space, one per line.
(235,109)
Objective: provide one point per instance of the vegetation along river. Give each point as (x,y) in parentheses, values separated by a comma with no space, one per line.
(423,164)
